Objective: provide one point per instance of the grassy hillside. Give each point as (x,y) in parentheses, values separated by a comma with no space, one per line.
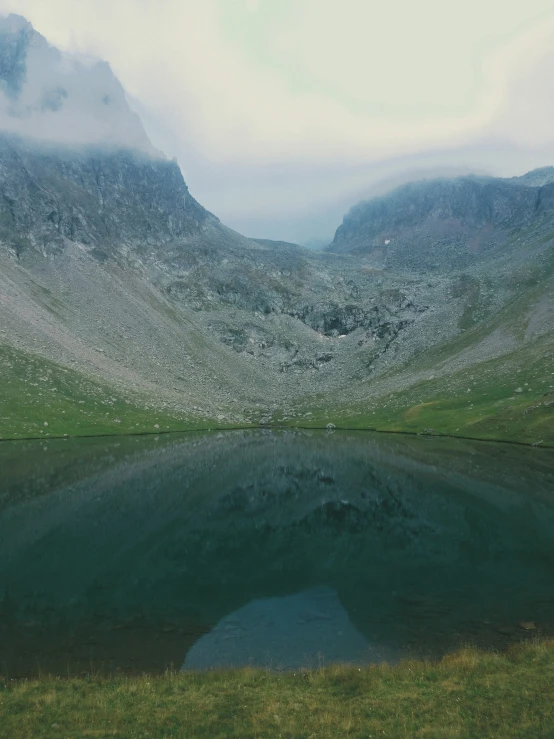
(510,398)
(42,399)
(457,388)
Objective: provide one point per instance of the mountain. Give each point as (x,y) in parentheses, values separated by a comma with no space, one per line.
(447,223)
(535,178)
(101,199)
(126,306)
(61,97)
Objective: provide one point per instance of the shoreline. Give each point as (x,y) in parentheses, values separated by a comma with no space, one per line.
(277,427)
(467,693)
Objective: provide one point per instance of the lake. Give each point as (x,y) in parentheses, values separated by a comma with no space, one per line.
(280,549)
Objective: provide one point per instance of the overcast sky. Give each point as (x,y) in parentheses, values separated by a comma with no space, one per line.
(283,113)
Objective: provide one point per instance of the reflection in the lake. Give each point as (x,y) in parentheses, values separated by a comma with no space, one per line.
(282,549)
(310,628)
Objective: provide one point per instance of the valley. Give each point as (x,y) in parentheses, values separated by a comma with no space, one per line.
(432,308)
(202,327)
(252,487)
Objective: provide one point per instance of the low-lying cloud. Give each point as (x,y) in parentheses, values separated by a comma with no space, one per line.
(62,98)
(283,113)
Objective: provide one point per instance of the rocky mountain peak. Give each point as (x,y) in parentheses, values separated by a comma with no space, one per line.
(16,36)
(75,162)
(58,97)
(445,223)
(98,197)
(536,177)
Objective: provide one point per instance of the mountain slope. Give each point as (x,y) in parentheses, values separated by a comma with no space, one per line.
(168,331)
(446,224)
(135,286)
(115,282)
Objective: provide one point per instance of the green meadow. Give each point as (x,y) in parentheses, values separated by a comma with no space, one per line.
(467,695)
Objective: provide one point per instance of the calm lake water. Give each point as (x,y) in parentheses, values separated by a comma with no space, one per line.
(283,549)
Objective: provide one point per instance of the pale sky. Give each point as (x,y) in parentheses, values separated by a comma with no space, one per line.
(283,113)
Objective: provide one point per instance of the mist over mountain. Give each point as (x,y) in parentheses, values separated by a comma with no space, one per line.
(447,223)
(97,196)
(431,309)
(58,97)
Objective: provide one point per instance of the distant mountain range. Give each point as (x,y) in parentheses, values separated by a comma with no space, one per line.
(126,306)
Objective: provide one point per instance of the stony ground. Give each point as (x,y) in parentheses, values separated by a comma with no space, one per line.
(184,320)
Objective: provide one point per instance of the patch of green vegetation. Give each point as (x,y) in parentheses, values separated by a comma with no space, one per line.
(510,398)
(467,694)
(41,399)
(469,288)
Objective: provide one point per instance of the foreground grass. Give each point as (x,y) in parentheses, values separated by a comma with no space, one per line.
(467,694)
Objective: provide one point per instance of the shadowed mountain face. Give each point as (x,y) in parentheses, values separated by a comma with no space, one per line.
(448,224)
(101,199)
(111,272)
(138,553)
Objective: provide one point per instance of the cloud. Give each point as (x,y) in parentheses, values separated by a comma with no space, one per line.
(279,107)
(62,98)
(521,73)
(175,56)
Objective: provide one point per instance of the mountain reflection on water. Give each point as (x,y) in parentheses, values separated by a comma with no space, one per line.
(276,548)
(308,629)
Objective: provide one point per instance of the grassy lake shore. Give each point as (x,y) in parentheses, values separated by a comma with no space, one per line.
(467,694)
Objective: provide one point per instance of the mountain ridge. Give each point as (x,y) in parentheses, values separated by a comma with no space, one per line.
(467,217)
(49,195)
(126,306)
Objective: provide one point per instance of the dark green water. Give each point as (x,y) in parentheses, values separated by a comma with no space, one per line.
(281,549)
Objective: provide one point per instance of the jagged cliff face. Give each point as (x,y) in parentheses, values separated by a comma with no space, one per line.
(446,224)
(99,198)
